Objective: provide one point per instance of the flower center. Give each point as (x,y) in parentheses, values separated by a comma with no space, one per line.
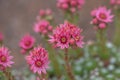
(38,63)
(42,27)
(77,38)
(3,59)
(102,15)
(27,43)
(63,39)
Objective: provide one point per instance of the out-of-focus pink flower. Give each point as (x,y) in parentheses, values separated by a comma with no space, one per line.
(42,27)
(101,17)
(70,5)
(23,51)
(42,12)
(1,37)
(5,58)
(73,10)
(48,12)
(115,2)
(45,14)
(38,60)
(65,35)
(27,42)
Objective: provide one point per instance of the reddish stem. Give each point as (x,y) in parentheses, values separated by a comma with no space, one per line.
(68,66)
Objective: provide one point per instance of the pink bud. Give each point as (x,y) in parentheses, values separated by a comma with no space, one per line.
(49,28)
(73,10)
(42,12)
(79,7)
(72,41)
(73,3)
(48,12)
(102,25)
(65,6)
(45,31)
(94,21)
(23,51)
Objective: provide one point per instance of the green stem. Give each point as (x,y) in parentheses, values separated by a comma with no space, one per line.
(117,29)
(54,61)
(8,74)
(68,66)
(103,50)
(72,18)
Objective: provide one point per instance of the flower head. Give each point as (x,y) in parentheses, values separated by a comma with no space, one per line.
(104,15)
(42,27)
(5,58)
(70,5)
(101,17)
(115,2)
(38,60)
(27,42)
(45,15)
(65,35)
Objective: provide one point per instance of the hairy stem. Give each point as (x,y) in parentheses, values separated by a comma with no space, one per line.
(68,66)
(8,74)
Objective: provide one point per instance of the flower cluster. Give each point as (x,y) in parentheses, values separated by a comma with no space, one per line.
(70,5)
(38,60)
(45,14)
(115,2)
(42,27)
(101,17)
(26,43)
(5,58)
(65,35)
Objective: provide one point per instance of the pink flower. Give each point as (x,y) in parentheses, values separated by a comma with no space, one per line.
(27,42)
(46,12)
(65,35)
(5,58)
(38,60)
(23,51)
(42,12)
(42,27)
(45,15)
(115,2)
(70,5)
(1,37)
(101,17)
(104,15)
